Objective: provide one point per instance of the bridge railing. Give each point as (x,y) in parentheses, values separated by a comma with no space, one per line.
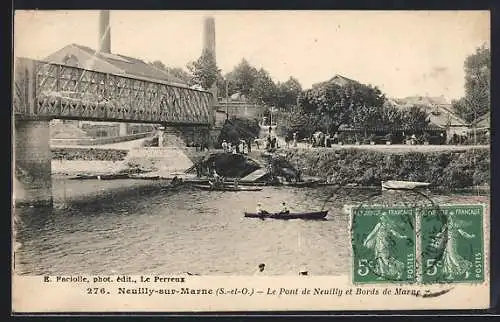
(43,89)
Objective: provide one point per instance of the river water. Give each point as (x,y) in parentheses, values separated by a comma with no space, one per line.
(203,232)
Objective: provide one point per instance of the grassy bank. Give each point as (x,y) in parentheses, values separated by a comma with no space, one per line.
(453,169)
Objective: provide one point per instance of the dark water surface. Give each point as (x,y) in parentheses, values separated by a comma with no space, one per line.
(162,232)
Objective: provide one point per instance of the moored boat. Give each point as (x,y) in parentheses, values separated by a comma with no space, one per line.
(403,185)
(226,188)
(303,184)
(291,215)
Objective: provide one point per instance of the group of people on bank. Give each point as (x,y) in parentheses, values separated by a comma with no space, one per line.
(217,181)
(242,147)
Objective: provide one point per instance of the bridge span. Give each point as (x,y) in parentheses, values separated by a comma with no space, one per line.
(44,91)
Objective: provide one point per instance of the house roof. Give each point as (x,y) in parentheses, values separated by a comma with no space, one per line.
(439,114)
(342,80)
(129,65)
(442,116)
(483,121)
(339,80)
(423,100)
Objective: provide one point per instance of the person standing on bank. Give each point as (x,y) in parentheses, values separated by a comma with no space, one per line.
(260,269)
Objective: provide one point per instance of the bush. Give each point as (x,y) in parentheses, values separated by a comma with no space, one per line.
(238,129)
(228,165)
(88,154)
(364,167)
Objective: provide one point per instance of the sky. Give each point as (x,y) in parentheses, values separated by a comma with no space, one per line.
(404,53)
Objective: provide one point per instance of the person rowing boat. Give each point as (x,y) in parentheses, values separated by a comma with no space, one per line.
(261,211)
(284,209)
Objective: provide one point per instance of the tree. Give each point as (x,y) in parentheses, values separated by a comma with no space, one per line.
(239,128)
(415,118)
(204,70)
(221,84)
(392,117)
(264,89)
(158,64)
(476,101)
(353,104)
(242,78)
(297,120)
(176,72)
(180,73)
(288,93)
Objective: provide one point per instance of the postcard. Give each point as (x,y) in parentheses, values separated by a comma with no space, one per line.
(239,161)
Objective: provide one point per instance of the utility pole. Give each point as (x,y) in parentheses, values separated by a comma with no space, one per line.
(475,125)
(227,99)
(272,111)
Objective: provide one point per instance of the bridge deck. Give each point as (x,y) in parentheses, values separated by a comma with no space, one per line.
(47,90)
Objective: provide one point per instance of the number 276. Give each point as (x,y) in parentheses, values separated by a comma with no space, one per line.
(96,290)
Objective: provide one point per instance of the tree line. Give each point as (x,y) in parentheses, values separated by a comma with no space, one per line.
(255,84)
(329,105)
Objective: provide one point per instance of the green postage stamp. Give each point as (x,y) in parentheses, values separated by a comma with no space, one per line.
(383,241)
(452,250)
(449,240)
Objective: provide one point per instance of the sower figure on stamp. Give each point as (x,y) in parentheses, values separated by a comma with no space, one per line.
(454,265)
(380,239)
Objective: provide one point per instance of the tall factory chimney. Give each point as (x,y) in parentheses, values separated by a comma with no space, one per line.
(104,41)
(209,35)
(209,44)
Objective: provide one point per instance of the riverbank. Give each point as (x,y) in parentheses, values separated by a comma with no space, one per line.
(450,169)
(447,166)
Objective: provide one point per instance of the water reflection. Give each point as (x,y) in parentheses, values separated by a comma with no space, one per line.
(197,231)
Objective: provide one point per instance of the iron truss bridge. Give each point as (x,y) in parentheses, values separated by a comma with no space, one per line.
(48,90)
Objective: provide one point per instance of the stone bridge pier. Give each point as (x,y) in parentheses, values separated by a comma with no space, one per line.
(184,136)
(32,163)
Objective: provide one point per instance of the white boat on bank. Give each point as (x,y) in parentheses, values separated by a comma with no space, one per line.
(403,185)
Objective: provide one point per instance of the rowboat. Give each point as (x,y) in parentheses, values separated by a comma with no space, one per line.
(403,185)
(290,215)
(102,176)
(305,184)
(226,188)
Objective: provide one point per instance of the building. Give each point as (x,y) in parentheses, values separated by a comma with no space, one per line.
(440,113)
(88,58)
(338,80)
(85,57)
(483,122)
(103,60)
(238,106)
